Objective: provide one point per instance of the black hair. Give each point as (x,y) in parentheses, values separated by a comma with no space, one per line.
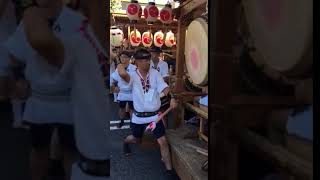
(75,6)
(142,53)
(127,53)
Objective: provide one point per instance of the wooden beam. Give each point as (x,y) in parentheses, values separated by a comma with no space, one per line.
(186,161)
(179,83)
(180,61)
(197,110)
(202,152)
(301,147)
(145,26)
(125,20)
(281,157)
(189,6)
(198,149)
(204,137)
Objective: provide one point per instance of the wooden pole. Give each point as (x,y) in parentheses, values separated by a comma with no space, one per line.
(179,84)
(180,57)
(224,150)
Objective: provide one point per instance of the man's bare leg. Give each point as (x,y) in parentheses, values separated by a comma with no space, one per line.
(130,140)
(165,153)
(122,115)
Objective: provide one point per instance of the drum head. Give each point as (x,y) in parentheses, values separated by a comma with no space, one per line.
(281,31)
(196,51)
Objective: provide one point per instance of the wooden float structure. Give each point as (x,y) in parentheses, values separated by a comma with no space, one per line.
(188,144)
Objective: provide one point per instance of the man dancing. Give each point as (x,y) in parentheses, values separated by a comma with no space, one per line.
(147,85)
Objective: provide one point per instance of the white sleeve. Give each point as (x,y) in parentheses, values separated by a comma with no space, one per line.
(70,57)
(164,70)
(161,84)
(18,45)
(111,81)
(115,76)
(4,62)
(131,78)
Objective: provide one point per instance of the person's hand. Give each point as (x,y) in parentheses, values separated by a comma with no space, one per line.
(121,66)
(173,103)
(151,126)
(116,90)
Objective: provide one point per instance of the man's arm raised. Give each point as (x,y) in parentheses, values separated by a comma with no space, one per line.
(123,73)
(41,37)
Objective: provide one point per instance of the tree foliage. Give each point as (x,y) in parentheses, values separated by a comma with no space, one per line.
(115,5)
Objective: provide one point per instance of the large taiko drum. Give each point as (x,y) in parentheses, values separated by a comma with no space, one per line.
(278,45)
(196,51)
(280,32)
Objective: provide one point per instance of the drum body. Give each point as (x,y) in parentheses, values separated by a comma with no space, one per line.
(196,51)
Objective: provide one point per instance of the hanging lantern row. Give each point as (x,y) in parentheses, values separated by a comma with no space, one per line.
(147,39)
(150,12)
(158,39)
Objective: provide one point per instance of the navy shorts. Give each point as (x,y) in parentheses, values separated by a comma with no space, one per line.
(122,104)
(41,135)
(138,130)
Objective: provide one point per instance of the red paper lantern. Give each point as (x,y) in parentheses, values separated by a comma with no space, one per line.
(166,15)
(158,39)
(151,13)
(135,38)
(134,11)
(147,38)
(170,39)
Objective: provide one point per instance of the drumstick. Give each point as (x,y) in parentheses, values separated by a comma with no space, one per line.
(161,116)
